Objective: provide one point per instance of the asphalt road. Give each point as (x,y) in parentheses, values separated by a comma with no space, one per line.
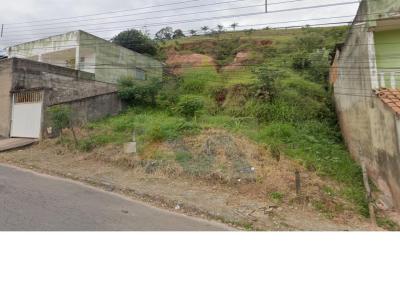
(33,202)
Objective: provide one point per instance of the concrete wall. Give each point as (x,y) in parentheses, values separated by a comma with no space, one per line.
(381,9)
(57,50)
(370,129)
(90,109)
(65,84)
(114,62)
(89,99)
(43,46)
(5,99)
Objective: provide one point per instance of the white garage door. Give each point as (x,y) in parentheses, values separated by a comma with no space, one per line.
(27,115)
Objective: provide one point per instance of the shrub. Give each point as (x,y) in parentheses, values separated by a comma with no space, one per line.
(225,50)
(300,100)
(189,106)
(169,129)
(267,77)
(300,60)
(138,94)
(309,41)
(319,69)
(315,65)
(196,80)
(258,109)
(302,86)
(168,95)
(288,97)
(60,117)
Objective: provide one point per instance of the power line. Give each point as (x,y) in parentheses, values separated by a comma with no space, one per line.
(259,24)
(53,40)
(270,34)
(153,17)
(207,35)
(230,16)
(166,10)
(109,12)
(222,32)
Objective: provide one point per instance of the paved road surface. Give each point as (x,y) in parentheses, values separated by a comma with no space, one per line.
(33,202)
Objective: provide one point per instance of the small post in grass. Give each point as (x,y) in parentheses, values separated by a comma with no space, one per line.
(298,182)
(131,147)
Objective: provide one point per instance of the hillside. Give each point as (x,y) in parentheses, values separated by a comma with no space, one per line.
(242,112)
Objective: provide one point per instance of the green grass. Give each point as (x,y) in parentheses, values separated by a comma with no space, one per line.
(298,123)
(183,156)
(317,147)
(387,224)
(277,196)
(314,144)
(277,35)
(243,76)
(197,80)
(149,126)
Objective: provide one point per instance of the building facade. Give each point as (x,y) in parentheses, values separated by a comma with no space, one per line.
(28,88)
(82,51)
(365,75)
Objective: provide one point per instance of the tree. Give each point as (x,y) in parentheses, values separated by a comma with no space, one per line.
(165,33)
(220,28)
(205,29)
(193,32)
(137,41)
(61,118)
(178,34)
(234,25)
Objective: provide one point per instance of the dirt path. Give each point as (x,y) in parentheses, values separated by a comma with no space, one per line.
(233,205)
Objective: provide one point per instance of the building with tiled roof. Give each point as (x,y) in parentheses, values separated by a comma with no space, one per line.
(365,75)
(390,97)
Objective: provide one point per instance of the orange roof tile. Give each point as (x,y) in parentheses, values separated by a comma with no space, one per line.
(391,97)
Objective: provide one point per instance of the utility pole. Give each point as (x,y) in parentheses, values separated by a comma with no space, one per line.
(266,6)
(2,29)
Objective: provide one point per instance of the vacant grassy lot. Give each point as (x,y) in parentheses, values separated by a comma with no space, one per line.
(278,98)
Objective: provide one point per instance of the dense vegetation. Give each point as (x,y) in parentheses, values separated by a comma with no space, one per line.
(137,41)
(279,98)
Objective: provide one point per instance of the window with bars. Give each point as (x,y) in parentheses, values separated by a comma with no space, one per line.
(28,97)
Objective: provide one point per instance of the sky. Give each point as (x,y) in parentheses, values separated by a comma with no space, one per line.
(27,20)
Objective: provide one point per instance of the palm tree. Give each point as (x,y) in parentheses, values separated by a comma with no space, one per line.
(193,32)
(220,28)
(234,25)
(205,29)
